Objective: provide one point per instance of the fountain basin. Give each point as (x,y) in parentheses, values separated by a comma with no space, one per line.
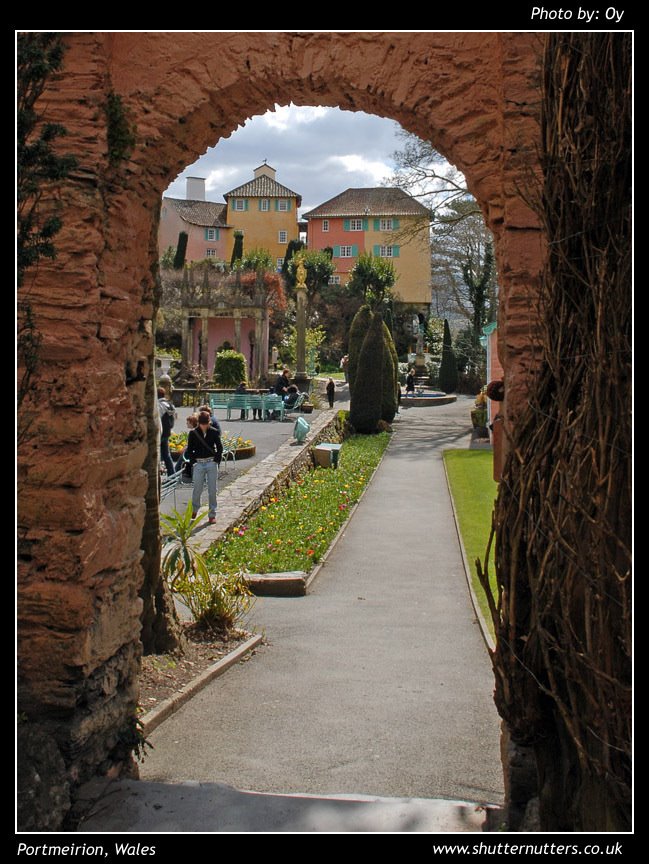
(427,398)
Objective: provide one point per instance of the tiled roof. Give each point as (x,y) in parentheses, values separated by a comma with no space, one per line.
(207,213)
(263,187)
(376,201)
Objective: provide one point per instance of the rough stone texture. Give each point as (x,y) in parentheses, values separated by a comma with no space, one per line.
(43,791)
(81,485)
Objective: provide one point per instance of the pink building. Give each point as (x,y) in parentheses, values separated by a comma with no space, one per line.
(203,221)
(220,313)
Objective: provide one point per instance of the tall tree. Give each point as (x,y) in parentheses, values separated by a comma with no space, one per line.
(293,247)
(425,174)
(181,250)
(448,366)
(237,248)
(374,278)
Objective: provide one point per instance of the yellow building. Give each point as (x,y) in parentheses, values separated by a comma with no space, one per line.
(265,211)
(385,221)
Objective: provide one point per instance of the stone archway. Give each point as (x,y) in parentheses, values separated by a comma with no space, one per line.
(82,484)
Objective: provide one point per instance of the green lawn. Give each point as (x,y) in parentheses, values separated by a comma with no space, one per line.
(470,474)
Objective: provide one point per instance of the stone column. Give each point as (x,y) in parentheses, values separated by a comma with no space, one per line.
(205,323)
(186,344)
(237,330)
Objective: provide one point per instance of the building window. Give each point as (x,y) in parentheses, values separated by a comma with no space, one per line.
(386,252)
(211,234)
(346,252)
(325,224)
(210,253)
(355,224)
(334,280)
(282,204)
(282,237)
(280,264)
(264,205)
(239,204)
(387,225)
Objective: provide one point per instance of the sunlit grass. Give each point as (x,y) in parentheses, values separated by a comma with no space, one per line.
(470,474)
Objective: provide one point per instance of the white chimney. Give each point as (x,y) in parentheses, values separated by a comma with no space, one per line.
(195,189)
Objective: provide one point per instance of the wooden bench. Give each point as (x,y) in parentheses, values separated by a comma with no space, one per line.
(273,402)
(240,402)
(219,400)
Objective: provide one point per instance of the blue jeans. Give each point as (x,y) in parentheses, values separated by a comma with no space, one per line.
(165,455)
(205,471)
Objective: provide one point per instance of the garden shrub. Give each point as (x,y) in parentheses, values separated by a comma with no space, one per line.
(357,333)
(230,368)
(367,398)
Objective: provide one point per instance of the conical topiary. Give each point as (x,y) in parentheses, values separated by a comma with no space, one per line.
(367,397)
(448,367)
(390,359)
(357,334)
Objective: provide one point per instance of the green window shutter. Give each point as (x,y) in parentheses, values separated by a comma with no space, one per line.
(377,226)
(276,204)
(259,203)
(336,251)
(346,225)
(354,251)
(245,204)
(366,224)
(376,250)
(288,205)
(395,224)
(206,234)
(218,233)
(395,251)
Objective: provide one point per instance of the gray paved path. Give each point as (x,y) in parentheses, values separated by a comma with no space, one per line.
(378,681)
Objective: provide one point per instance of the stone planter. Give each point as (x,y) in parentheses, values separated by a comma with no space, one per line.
(307,408)
(246,452)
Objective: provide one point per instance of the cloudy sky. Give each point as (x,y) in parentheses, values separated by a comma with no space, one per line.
(317,152)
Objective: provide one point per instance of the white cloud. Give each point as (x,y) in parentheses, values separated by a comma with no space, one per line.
(318,152)
(286,117)
(219,180)
(373,170)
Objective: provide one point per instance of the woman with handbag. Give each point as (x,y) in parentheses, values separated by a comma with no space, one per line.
(204,451)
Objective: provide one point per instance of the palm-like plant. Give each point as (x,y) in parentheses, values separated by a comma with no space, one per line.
(181,561)
(216,602)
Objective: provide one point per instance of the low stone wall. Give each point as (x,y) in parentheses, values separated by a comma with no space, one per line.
(246,495)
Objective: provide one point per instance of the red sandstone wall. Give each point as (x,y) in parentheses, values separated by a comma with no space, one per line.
(81,487)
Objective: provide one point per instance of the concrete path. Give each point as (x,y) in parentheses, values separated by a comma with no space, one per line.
(377,683)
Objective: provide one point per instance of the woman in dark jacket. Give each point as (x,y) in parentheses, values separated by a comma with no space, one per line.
(204,451)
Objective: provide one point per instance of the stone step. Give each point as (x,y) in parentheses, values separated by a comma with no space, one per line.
(138,806)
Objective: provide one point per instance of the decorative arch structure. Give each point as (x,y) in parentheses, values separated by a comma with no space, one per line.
(169,97)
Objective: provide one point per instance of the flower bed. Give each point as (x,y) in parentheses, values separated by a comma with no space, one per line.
(243,446)
(294,529)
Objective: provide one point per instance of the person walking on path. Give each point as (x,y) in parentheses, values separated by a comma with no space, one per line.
(204,450)
(331,392)
(167,414)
